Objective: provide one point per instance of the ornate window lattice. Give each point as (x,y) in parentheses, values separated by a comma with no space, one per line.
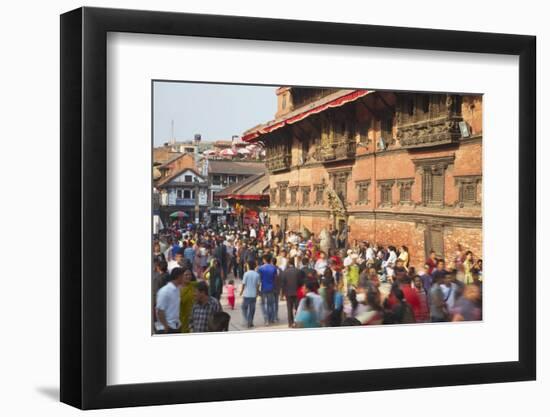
(467,189)
(340,184)
(305,195)
(386,187)
(282,194)
(362,192)
(433,186)
(319,193)
(293,195)
(405,190)
(433,178)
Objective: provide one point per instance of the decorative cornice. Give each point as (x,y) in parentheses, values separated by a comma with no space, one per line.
(420,218)
(417,218)
(404,181)
(442,161)
(385,182)
(460,179)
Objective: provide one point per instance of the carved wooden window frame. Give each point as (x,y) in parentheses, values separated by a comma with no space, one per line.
(320,192)
(293,195)
(283,187)
(385,186)
(461,181)
(429,167)
(340,177)
(306,195)
(405,185)
(362,187)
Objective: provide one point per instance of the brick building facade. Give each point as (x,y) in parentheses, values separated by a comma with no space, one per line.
(396,168)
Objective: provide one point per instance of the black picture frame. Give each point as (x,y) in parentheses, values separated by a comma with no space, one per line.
(84,207)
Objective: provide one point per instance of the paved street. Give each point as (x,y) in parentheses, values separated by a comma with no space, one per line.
(238,323)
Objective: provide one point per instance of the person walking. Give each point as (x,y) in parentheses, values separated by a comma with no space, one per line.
(187,298)
(291,279)
(316,305)
(205,305)
(268,273)
(213,275)
(168,304)
(249,291)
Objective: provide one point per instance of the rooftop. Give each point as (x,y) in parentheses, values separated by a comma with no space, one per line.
(236,167)
(254,187)
(336,99)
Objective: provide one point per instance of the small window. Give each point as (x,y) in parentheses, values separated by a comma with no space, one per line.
(385,195)
(187,194)
(188,178)
(433,185)
(305,196)
(282,195)
(362,192)
(405,192)
(469,193)
(179,193)
(293,195)
(216,179)
(232,179)
(319,194)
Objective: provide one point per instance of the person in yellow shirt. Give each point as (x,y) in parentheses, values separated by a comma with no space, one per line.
(187,292)
(468,266)
(404,256)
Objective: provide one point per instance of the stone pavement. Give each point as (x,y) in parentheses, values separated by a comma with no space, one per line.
(237,322)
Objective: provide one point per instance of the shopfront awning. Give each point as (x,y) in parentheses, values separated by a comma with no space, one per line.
(343,97)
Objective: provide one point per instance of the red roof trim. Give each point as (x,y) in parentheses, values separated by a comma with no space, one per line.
(245,197)
(340,101)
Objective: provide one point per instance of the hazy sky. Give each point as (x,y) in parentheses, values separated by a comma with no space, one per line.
(216,111)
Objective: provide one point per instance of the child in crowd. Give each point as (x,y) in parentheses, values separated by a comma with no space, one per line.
(230,288)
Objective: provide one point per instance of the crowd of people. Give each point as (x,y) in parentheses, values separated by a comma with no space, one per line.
(325,281)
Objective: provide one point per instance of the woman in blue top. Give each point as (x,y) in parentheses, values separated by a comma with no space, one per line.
(307,318)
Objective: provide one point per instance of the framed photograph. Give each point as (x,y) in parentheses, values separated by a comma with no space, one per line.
(259,208)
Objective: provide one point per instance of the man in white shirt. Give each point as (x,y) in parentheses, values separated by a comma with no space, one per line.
(252,232)
(370,254)
(168,304)
(177,261)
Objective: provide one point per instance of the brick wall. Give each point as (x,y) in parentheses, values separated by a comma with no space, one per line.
(399,223)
